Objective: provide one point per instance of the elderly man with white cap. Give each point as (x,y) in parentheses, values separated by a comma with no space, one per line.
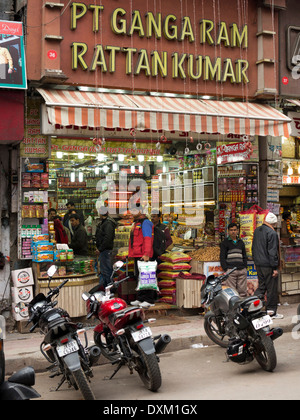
(265,252)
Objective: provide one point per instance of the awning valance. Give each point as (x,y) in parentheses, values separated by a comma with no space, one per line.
(111,110)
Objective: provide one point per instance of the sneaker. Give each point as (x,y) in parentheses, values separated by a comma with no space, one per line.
(145,305)
(277,316)
(135,303)
(271,313)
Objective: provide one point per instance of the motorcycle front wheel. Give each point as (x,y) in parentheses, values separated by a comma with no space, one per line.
(264,352)
(149,371)
(214,326)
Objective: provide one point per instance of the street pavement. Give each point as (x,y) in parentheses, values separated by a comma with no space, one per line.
(24,349)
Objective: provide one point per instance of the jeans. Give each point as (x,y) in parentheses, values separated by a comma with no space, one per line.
(106,269)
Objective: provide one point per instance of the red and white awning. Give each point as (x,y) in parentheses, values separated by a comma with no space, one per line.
(110,110)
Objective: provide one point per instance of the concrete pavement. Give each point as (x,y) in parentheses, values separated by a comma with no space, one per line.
(23,349)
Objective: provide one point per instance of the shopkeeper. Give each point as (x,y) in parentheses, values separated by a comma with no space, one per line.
(79,242)
(286,231)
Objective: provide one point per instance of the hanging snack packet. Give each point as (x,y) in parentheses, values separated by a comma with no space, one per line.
(147,275)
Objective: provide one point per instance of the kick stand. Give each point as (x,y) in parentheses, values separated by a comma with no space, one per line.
(121,363)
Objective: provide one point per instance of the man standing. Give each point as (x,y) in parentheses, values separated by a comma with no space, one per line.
(6,64)
(233,254)
(162,237)
(141,248)
(71,208)
(105,235)
(79,242)
(265,252)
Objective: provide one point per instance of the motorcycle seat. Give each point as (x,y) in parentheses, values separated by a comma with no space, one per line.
(237,301)
(119,314)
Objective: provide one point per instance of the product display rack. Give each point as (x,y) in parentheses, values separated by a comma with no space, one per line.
(33,196)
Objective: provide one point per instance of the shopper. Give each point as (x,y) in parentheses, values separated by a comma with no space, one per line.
(162,238)
(79,242)
(286,231)
(105,235)
(233,254)
(62,233)
(71,207)
(265,252)
(141,248)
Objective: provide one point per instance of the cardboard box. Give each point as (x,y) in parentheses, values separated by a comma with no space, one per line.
(22,294)
(23,277)
(22,315)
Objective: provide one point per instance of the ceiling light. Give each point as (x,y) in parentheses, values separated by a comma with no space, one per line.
(132,169)
(80,177)
(72,177)
(141,158)
(100,157)
(121,158)
(159,158)
(59,155)
(80,155)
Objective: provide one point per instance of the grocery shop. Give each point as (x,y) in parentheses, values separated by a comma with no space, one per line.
(196,132)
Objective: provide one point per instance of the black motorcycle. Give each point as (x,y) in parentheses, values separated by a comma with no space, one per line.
(19,385)
(62,346)
(239,324)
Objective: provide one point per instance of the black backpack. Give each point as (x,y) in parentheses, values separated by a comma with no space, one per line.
(159,241)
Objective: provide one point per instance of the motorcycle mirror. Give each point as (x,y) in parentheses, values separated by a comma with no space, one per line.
(51,270)
(118,265)
(85,296)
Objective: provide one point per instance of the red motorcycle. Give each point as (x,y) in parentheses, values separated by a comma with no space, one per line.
(122,336)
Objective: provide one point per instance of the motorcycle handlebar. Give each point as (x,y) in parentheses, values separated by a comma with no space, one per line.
(221,278)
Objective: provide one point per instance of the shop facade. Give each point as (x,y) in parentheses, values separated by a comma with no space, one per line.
(289,90)
(176,96)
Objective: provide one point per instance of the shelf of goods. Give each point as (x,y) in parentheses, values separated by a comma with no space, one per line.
(33,196)
(82,277)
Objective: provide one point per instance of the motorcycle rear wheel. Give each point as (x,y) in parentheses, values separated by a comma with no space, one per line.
(83,384)
(149,371)
(212,326)
(265,353)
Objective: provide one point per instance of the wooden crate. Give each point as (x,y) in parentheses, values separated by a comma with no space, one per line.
(197,266)
(188,293)
(70,295)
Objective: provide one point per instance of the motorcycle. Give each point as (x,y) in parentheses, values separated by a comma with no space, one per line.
(122,336)
(19,385)
(239,324)
(61,346)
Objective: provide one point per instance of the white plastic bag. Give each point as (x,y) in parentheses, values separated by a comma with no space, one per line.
(147,275)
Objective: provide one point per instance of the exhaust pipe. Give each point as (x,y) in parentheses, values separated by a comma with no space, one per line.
(94,354)
(162,343)
(277,332)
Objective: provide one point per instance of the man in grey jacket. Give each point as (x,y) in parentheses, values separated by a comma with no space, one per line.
(265,252)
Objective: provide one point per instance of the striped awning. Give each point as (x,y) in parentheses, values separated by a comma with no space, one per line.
(294,101)
(110,110)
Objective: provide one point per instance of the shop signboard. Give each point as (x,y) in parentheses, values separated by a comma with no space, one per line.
(148,46)
(34,144)
(289,60)
(12,55)
(295,124)
(116,147)
(237,152)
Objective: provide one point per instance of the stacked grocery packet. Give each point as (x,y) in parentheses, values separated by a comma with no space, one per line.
(173,264)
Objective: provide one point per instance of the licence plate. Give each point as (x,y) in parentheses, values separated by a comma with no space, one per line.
(262,322)
(141,334)
(67,348)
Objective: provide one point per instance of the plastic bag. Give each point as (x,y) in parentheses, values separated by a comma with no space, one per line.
(147,275)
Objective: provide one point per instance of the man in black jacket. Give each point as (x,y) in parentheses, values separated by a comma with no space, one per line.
(265,252)
(233,254)
(79,242)
(105,235)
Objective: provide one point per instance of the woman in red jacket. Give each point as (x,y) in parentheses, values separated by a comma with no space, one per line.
(141,248)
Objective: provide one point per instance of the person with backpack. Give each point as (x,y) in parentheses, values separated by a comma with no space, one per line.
(162,237)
